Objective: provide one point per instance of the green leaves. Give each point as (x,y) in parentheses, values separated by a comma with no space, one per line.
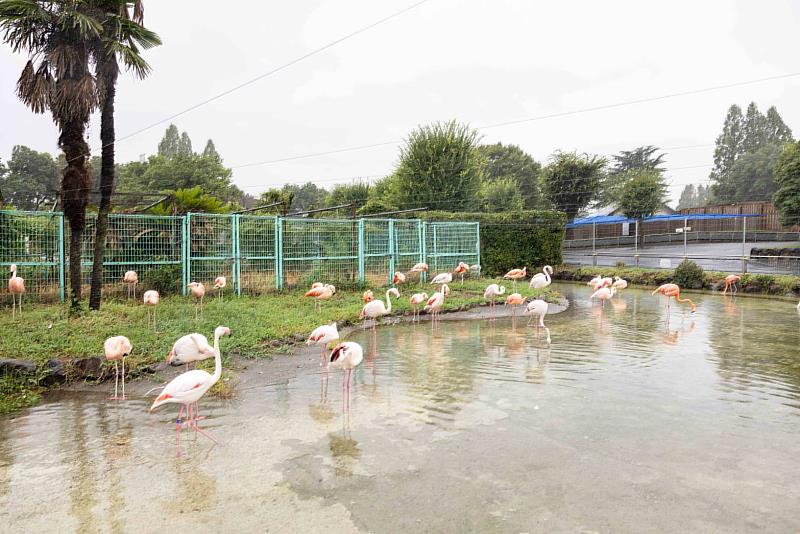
(643,194)
(787,176)
(572,181)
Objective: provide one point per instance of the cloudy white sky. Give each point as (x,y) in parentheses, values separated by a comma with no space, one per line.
(475,61)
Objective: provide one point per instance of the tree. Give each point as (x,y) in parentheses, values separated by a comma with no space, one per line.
(775,130)
(439,167)
(787,176)
(688,197)
(511,162)
(753,129)
(643,158)
(192,200)
(729,144)
(571,181)
(750,177)
(644,193)
(274,195)
(185,146)
(31,179)
(308,196)
(210,151)
(122,37)
(356,193)
(57,35)
(169,144)
(501,195)
(703,196)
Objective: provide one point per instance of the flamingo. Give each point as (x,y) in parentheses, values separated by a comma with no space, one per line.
(442,279)
(476,268)
(151,298)
(322,335)
(188,388)
(492,292)
(462,268)
(376,308)
(603,294)
(315,285)
(542,280)
(131,278)
(514,300)
(673,290)
(16,286)
(367,296)
(398,278)
(189,348)
(117,348)
(730,282)
(198,292)
(619,283)
(595,282)
(535,308)
(435,303)
(320,293)
(419,268)
(606,282)
(219,284)
(346,356)
(516,274)
(415,300)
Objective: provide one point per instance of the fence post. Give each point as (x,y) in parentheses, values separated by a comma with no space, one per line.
(61,258)
(278,253)
(423,253)
(435,248)
(236,268)
(391,251)
(184,255)
(184,289)
(361,269)
(478,246)
(744,245)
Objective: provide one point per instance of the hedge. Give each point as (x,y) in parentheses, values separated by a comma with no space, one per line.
(515,239)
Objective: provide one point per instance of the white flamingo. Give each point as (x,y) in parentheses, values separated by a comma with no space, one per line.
(117,348)
(150,299)
(415,300)
(441,279)
(322,335)
(492,292)
(538,308)
(376,308)
(435,303)
(603,294)
(542,280)
(346,356)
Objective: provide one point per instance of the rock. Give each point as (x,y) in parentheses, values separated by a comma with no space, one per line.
(299,337)
(156,367)
(10,365)
(55,373)
(91,367)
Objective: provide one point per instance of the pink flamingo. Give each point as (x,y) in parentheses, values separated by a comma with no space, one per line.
(516,274)
(151,298)
(16,286)
(219,284)
(514,300)
(435,303)
(492,292)
(538,308)
(441,279)
(367,296)
(595,282)
(730,282)
(462,268)
(398,278)
(188,388)
(131,278)
(376,308)
(322,335)
(320,293)
(419,268)
(117,348)
(542,279)
(603,294)
(673,290)
(198,292)
(346,356)
(415,300)
(619,283)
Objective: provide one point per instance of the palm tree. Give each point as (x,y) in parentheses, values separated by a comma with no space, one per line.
(122,38)
(56,36)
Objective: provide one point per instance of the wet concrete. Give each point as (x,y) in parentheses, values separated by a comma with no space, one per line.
(627,422)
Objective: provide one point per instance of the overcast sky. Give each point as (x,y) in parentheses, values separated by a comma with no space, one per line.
(472,60)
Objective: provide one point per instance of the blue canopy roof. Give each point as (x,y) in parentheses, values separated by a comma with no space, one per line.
(617,219)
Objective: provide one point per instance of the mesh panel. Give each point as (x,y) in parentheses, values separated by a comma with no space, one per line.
(376,252)
(449,243)
(319,250)
(31,241)
(211,249)
(257,254)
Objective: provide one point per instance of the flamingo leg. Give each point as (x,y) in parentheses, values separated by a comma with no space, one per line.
(123,378)
(13,305)
(20,305)
(116,379)
(178,426)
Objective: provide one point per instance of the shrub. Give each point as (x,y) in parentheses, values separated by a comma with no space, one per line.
(620,264)
(689,275)
(514,239)
(166,279)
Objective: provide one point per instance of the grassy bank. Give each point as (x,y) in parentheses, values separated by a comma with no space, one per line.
(767,284)
(260,326)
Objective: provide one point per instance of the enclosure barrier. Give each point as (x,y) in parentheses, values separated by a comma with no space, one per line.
(256,253)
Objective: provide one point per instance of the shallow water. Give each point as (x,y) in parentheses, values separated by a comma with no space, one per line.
(627,422)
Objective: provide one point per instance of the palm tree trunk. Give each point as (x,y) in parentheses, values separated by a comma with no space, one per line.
(75,185)
(109,70)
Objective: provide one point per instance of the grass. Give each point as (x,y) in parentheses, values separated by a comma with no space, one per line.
(18,392)
(769,284)
(260,325)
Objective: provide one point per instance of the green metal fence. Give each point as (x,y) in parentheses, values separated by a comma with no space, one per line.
(257,254)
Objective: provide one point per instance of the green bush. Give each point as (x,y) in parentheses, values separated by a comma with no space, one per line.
(513,239)
(166,279)
(689,275)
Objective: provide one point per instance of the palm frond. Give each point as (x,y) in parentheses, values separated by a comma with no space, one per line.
(86,25)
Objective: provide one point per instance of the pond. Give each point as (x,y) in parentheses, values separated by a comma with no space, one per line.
(631,420)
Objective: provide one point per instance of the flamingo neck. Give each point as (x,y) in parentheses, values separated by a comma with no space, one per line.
(388,301)
(217,358)
(502,290)
(546,274)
